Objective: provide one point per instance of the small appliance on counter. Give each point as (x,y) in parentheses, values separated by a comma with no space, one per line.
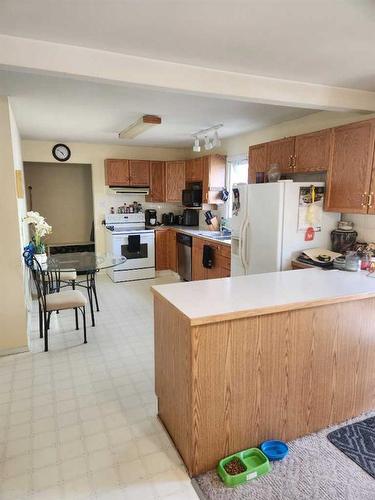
(151,217)
(167,219)
(192,196)
(178,220)
(190,218)
(344,237)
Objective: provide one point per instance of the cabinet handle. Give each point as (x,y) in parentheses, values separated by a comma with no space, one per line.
(291,161)
(364,200)
(370,199)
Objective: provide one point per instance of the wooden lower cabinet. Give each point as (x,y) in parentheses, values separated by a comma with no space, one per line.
(172,250)
(221,264)
(162,252)
(166,255)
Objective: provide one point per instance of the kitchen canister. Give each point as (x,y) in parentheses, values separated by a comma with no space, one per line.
(352,262)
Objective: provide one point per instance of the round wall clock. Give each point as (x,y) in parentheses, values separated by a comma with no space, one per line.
(61,152)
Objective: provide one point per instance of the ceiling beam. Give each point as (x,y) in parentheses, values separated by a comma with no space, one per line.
(113,67)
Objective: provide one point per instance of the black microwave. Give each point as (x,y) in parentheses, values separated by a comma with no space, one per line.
(192,197)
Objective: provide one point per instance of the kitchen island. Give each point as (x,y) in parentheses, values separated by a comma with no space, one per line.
(269,356)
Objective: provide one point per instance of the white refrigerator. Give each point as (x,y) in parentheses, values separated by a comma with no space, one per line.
(266,233)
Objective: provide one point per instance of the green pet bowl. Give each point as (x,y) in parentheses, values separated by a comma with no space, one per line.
(253,461)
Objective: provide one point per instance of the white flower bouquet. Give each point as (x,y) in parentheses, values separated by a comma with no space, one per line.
(40,230)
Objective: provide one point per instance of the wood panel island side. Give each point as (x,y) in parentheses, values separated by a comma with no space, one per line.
(271,356)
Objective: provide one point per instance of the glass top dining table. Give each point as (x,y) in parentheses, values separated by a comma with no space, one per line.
(81,262)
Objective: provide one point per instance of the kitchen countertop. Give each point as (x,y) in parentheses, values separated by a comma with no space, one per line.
(193,231)
(246,296)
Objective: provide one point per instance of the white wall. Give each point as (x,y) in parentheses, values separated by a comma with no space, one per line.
(13,310)
(95,154)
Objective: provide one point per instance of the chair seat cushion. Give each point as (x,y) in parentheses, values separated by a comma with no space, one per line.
(65,300)
(68,275)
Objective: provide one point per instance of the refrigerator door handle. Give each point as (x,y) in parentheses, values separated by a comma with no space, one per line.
(247,252)
(244,246)
(240,242)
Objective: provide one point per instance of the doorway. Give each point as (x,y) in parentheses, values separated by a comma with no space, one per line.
(62,193)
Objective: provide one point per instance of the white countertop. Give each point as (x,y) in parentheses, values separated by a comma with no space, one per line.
(195,231)
(215,300)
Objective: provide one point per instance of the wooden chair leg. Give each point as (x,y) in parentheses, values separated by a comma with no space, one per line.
(76,314)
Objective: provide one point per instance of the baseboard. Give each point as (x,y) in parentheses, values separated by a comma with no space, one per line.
(167,272)
(14,350)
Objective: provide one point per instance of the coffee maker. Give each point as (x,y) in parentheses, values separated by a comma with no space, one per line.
(150,217)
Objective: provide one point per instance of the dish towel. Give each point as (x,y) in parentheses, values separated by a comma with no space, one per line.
(134,243)
(208,257)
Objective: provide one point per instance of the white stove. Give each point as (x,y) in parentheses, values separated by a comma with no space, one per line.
(128,237)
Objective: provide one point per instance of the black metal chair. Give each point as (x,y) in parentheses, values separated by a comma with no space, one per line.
(51,299)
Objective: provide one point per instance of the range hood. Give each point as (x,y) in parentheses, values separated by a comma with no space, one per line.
(130,190)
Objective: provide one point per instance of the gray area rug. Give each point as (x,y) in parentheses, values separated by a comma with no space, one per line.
(357,441)
(314,469)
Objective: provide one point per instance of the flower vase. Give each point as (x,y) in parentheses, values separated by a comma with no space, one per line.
(41,258)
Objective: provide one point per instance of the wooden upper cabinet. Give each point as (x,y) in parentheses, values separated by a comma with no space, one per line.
(139,173)
(175,180)
(349,175)
(311,153)
(194,170)
(157,181)
(281,152)
(257,161)
(213,167)
(116,172)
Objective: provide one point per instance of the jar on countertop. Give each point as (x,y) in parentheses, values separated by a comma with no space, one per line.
(352,262)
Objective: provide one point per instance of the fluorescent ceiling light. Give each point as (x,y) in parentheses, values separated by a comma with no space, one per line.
(140,126)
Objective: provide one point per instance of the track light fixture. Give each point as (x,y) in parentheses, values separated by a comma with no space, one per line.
(205,134)
(207,143)
(196,147)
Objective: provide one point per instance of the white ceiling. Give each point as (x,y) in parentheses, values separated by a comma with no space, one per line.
(66,109)
(321,41)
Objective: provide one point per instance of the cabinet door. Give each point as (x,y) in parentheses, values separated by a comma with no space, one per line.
(349,175)
(257,161)
(175,180)
(213,169)
(172,250)
(198,271)
(189,171)
(139,171)
(311,152)
(281,152)
(157,181)
(162,249)
(117,172)
(216,270)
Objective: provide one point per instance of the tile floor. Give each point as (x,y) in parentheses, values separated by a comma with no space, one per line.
(80,421)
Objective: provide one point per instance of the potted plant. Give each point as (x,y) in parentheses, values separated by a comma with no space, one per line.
(40,230)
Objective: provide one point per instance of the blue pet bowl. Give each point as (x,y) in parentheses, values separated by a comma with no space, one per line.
(274,450)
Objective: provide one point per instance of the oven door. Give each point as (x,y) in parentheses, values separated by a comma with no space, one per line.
(138,248)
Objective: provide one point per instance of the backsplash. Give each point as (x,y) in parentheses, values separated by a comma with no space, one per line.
(364,225)
(116,200)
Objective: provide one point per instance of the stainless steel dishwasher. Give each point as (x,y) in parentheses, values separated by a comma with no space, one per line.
(184,243)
